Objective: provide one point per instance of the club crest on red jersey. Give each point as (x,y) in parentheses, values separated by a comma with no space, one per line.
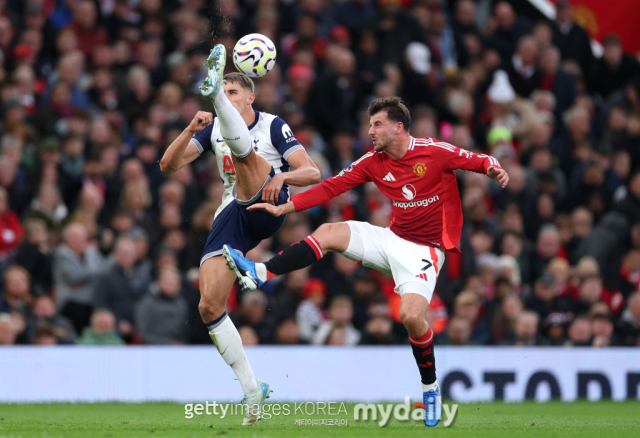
(420,168)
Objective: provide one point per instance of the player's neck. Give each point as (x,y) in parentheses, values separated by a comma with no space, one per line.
(249,116)
(399,147)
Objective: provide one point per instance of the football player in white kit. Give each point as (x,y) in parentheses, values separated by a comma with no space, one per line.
(254,151)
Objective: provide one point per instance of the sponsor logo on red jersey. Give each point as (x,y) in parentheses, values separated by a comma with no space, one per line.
(420,203)
(409,191)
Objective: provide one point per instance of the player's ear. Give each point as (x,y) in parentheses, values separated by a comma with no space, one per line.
(252,98)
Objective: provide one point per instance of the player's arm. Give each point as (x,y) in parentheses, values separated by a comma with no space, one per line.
(184,150)
(452,157)
(289,147)
(348,178)
(305,173)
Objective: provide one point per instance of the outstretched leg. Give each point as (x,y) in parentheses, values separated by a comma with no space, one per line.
(252,170)
(328,237)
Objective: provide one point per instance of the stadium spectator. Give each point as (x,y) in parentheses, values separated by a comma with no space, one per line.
(10,231)
(287,332)
(35,255)
(118,289)
(458,331)
(7,331)
(310,314)
(506,29)
(571,38)
(378,331)
(544,299)
(253,314)
(16,290)
(467,305)
(48,205)
(44,314)
(161,314)
(580,332)
(614,68)
(554,329)
(86,27)
(248,335)
(602,326)
(102,330)
(629,330)
(76,265)
(526,329)
(338,329)
(503,323)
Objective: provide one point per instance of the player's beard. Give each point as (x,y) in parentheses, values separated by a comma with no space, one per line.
(379,146)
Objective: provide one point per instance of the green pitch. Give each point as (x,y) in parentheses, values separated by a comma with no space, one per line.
(109,420)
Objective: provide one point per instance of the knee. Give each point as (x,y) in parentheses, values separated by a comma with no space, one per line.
(333,236)
(325,229)
(210,307)
(210,310)
(412,318)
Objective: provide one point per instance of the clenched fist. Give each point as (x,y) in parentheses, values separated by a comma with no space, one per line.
(201,120)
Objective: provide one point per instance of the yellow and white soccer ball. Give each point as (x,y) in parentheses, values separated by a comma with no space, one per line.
(254,55)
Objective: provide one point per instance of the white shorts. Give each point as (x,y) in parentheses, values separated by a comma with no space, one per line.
(414,267)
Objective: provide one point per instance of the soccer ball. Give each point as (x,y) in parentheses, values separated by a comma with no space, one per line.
(254,55)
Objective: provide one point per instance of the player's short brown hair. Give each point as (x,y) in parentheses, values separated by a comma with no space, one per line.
(241,79)
(395,108)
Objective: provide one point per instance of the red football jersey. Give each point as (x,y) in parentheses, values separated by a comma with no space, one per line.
(421,185)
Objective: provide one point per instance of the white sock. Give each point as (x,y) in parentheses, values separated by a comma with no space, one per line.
(261,270)
(429,387)
(232,127)
(226,338)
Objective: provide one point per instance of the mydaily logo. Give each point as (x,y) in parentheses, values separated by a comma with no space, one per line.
(382,413)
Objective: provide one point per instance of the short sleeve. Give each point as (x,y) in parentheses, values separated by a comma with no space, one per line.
(282,138)
(202,139)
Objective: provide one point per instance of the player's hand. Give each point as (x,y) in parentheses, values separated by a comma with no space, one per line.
(271,191)
(201,120)
(498,174)
(272,209)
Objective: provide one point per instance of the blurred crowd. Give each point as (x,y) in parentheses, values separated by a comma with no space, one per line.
(98,246)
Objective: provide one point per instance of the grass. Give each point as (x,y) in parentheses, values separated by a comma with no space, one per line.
(106,420)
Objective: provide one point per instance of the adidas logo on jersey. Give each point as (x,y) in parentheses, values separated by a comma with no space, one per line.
(389,177)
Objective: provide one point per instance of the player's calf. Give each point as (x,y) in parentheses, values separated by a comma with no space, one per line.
(328,237)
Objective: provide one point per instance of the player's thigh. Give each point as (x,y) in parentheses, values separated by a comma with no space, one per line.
(366,245)
(414,302)
(413,265)
(216,280)
(251,173)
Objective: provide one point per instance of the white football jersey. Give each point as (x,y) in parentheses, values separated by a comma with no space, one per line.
(271,138)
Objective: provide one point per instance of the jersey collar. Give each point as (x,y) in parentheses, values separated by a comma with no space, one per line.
(255,122)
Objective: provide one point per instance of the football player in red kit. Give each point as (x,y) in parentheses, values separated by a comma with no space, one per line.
(418,175)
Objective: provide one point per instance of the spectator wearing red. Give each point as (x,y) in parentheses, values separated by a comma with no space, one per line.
(85,24)
(10,230)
